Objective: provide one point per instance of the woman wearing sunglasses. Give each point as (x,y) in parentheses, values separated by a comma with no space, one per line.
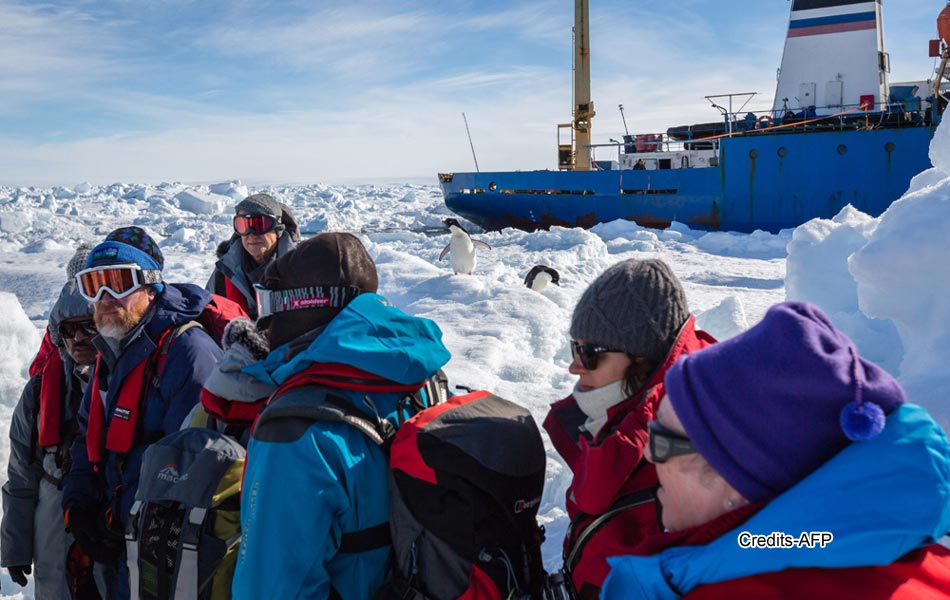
(790,467)
(264,229)
(628,328)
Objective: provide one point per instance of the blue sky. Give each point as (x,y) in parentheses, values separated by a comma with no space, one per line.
(325,92)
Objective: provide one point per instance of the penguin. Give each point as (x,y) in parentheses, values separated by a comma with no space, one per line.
(540,276)
(462,247)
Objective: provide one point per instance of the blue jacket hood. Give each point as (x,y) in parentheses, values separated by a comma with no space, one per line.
(178,304)
(370,334)
(881,499)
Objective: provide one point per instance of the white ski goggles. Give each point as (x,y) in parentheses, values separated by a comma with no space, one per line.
(119,280)
(270,302)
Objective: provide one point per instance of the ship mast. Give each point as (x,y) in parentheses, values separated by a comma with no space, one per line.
(583,106)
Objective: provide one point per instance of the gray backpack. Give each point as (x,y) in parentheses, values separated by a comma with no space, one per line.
(184,528)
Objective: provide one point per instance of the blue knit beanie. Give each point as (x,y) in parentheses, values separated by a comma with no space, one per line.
(771,405)
(128,245)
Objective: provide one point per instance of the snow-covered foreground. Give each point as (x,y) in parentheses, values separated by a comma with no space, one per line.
(885,281)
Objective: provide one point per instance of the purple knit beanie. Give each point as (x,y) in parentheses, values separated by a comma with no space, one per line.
(771,405)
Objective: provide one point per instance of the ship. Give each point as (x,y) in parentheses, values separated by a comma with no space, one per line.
(838,133)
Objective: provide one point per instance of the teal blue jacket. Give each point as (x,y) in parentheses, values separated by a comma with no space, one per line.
(308,483)
(881,499)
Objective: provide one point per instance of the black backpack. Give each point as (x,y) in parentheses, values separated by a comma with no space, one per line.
(467,476)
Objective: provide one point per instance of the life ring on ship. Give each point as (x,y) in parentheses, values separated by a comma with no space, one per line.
(765,122)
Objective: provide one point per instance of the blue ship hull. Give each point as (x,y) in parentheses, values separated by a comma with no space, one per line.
(768,182)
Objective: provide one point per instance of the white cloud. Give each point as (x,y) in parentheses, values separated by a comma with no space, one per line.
(49,53)
(366,89)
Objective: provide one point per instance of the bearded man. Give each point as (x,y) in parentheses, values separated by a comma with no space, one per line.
(151,366)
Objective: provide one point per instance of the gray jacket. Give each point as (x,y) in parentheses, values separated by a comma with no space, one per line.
(231,265)
(29,464)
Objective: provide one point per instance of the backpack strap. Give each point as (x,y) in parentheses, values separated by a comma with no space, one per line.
(325,406)
(365,540)
(191,527)
(132,548)
(434,391)
(573,553)
(165,345)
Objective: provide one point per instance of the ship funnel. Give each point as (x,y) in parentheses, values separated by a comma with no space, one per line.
(834,58)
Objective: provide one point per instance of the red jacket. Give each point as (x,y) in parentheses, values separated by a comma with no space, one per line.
(923,574)
(611,467)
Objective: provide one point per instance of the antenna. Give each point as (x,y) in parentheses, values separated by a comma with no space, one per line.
(627,131)
(470,143)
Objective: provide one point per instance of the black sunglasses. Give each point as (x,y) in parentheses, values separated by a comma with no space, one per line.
(70,329)
(665,444)
(588,353)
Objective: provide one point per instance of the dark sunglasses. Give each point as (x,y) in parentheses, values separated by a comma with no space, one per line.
(665,444)
(588,353)
(70,329)
(258,224)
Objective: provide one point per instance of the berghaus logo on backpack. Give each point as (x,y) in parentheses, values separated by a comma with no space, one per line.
(523,505)
(169,474)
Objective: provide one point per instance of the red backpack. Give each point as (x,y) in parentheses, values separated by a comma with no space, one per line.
(467,478)
(467,475)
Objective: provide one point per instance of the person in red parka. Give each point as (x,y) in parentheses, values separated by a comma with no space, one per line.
(790,467)
(628,328)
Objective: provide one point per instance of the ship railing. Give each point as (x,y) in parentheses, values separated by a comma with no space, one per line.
(910,112)
(660,143)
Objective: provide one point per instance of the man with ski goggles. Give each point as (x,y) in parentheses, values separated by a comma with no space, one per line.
(151,366)
(118,280)
(264,230)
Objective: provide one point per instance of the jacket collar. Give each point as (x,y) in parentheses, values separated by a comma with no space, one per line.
(688,340)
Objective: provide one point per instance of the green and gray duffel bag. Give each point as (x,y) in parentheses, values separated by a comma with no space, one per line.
(185,525)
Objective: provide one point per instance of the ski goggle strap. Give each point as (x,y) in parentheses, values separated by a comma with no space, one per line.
(119,280)
(270,302)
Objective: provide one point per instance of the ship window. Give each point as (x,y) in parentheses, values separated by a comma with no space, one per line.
(889,147)
(842,149)
(753,153)
(492,186)
(782,151)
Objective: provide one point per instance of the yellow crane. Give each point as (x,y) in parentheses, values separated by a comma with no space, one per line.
(575,155)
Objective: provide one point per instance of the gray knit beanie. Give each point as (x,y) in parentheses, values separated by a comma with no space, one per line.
(260,204)
(78,262)
(637,306)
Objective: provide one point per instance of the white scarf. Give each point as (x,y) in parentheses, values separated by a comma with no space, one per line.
(595,404)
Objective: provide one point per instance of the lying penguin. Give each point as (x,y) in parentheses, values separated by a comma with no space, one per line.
(540,276)
(462,247)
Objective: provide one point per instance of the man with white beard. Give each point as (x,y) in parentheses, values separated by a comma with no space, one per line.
(140,391)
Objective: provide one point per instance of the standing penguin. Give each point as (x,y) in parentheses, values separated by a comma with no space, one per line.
(462,247)
(540,276)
